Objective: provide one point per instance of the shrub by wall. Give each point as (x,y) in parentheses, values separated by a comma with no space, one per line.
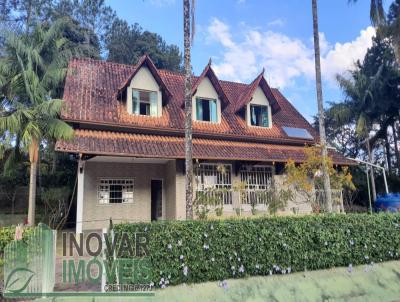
(7,235)
(199,251)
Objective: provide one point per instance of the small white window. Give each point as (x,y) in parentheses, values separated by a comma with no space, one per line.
(115,191)
(144,102)
(206,110)
(259,116)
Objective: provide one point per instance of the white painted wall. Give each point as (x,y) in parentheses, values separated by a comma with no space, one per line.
(206,90)
(259,98)
(144,80)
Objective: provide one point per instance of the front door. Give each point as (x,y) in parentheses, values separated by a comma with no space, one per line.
(156,199)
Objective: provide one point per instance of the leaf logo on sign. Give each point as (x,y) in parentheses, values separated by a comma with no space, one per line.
(18,280)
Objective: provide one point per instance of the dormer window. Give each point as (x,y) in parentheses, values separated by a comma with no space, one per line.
(144,102)
(259,116)
(206,110)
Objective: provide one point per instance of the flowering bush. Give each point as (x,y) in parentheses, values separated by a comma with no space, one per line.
(199,251)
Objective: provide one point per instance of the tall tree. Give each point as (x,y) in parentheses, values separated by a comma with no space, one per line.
(321,113)
(127,43)
(188,34)
(31,70)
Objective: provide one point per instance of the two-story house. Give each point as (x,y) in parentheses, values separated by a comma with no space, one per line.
(129,137)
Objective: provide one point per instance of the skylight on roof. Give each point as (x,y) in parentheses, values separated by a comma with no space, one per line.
(297,132)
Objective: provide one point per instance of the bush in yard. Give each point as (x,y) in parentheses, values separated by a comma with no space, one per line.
(199,251)
(7,235)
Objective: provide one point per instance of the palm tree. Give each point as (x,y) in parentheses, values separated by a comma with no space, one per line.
(32,68)
(325,171)
(360,108)
(188,33)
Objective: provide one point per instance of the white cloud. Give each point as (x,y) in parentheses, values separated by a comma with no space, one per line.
(284,58)
(277,22)
(162,3)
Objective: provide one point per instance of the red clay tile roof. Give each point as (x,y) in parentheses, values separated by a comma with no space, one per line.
(157,146)
(94,100)
(91,97)
(209,72)
(248,92)
(145,61)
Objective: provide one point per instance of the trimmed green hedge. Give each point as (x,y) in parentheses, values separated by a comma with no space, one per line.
(199,251)
(7,235)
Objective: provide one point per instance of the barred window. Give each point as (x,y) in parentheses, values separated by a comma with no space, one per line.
(115,191)
(257,180)
(215,176)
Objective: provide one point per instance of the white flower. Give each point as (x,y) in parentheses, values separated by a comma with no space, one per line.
(326,243)
(181,257)
(212,259)
(289,270)
(257,266)
(350,268)
(366,257)
(223,284)
(233,267)
(270,272)
(259,239)
(206,246)
(280,234)
(205,235)
(169,246)
(239,259)
(211,227)
(179,242)
(235,253)
(185,270)
(145,229)
(241,269)
(351,242)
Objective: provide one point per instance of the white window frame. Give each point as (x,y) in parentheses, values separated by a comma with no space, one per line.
(156,105)
(201,186)
(249,115)
(199,98)
(105,195)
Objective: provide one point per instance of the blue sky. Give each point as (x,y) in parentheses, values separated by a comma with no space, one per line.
(243,36)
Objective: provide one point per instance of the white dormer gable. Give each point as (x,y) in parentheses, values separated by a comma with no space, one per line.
(144,85)
(259,100)
(206,95)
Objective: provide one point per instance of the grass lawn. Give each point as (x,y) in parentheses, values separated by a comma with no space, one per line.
(379,282)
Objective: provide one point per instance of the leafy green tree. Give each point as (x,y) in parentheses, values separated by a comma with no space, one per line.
(31,70)
(127,43)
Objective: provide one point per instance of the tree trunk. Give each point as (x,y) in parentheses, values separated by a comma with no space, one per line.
(54,158)
(33,158)
(188,112)
(388,153)
(396,146)
(372,174)
(325,168)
